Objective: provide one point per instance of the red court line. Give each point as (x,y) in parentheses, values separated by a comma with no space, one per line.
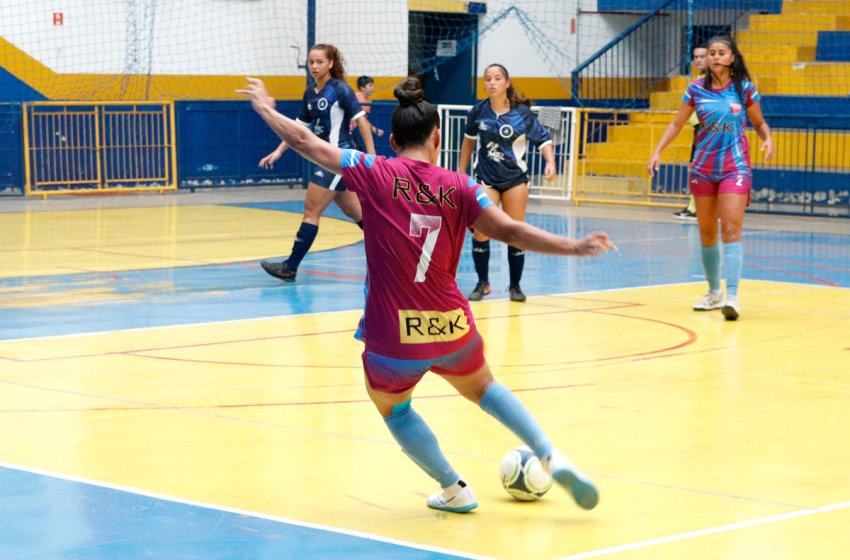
(178,347)
(797,274)
(262,405)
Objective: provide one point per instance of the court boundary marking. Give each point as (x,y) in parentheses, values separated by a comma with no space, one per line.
(237,511)
(704,532)
(272,317)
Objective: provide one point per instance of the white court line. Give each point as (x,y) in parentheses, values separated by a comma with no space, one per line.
(236,511)
(705,532)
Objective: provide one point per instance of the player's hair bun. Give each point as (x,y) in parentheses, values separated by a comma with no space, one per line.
(409,92)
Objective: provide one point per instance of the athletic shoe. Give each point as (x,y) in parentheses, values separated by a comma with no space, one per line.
(731,310)
(573,480)
(279,270)
(685,215)
(711,300)
(457,498)
(481,289)
(516,293)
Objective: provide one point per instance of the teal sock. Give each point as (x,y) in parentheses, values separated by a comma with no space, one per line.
(499,402)
(733,262)
(420,444)
(711,266)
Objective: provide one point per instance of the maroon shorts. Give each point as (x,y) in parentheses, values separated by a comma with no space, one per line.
(394,375)
(735,183)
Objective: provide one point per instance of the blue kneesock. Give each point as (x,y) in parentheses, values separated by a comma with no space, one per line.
(420,444)
(733,262)
(711,266)
(303,241)
(499,402)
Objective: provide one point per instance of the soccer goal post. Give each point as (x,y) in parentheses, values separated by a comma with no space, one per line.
(562,124)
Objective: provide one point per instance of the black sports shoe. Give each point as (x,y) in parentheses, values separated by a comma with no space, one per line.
(685,215)
(481,289)
(516,293)
(279,270)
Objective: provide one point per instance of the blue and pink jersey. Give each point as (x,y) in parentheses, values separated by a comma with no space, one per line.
(416,216)
(721,146)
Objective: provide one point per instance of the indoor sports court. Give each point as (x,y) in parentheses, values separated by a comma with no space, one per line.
(164,398)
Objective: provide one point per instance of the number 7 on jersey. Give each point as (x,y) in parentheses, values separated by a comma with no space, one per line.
(418,223)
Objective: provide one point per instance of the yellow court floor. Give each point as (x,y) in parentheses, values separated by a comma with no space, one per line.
(708,439)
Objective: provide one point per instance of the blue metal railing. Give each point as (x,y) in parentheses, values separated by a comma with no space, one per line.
(656,46)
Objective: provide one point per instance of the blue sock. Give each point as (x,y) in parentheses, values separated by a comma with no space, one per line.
(499,402)
(420,444)
(481,259)
(711,266)
(733,262)
(516,262)
(303,241)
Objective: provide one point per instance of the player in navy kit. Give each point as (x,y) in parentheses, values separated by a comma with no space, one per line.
(416,319)
(503,125)
(329,108)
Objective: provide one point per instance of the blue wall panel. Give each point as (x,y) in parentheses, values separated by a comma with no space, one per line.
(13,89)
(833,46)
(221,142)
(11,149)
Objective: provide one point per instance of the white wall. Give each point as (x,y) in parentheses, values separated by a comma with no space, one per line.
(244,37)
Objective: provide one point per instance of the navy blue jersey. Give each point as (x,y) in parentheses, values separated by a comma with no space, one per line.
(502,143)
(329,112)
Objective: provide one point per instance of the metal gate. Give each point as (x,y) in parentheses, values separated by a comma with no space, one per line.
(76,148)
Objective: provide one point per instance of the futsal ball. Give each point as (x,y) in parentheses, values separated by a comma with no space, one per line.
(523,476)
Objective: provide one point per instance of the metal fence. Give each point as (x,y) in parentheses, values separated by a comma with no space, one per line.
(810,174)
(98,147)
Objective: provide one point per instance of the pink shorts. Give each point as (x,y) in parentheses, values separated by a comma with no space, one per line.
(734,183)
(394,375)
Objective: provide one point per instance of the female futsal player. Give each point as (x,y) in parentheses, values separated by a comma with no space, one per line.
(328,108)
(416,215)
(721,177)
(503,125)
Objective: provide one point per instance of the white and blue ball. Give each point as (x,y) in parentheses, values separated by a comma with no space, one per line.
(523,476)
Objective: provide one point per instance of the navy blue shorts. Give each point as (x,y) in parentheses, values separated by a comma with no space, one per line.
(326,179)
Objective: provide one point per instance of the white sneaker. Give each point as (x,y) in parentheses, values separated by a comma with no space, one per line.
(457,498)
(731,310)
(573,480)
(711,300)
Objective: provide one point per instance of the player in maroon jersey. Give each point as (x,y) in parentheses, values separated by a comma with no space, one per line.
(416,320)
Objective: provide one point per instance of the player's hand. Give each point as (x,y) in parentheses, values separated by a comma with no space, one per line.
(268,161)
(654,162)
(379,132)
(768,149)
(595,244)
(549,172)
(257,93)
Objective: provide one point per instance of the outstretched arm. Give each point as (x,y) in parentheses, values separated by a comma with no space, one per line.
(298,137)
(495,223)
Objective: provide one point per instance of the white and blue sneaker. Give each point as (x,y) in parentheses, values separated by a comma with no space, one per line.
(711,300)
(731,310)
(575,482)
(457,498)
